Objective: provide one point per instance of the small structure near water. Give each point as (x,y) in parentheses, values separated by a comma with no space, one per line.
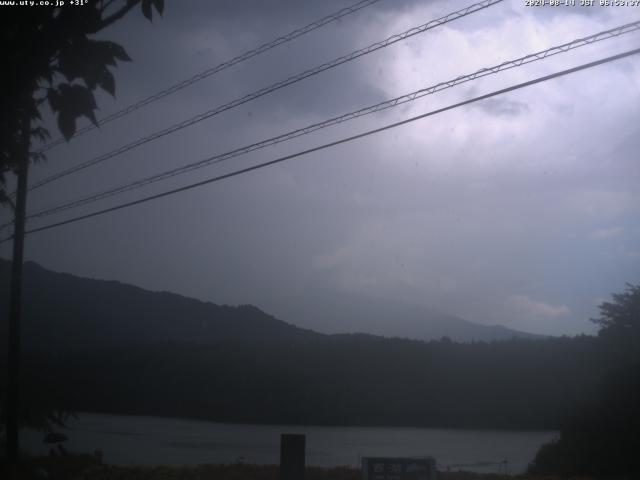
(398,468)
(292,463)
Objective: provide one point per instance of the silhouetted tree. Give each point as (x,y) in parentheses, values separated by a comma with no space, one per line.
(47,55)
(604,440)
(620,326)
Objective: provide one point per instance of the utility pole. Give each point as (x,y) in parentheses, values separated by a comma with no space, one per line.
(13,363)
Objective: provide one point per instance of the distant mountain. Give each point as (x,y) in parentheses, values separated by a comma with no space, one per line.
(67,311)
(103,346)
(341,313)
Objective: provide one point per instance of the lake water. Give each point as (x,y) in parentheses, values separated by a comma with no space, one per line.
(153,441)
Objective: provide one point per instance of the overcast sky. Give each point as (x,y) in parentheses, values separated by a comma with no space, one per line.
(521,210)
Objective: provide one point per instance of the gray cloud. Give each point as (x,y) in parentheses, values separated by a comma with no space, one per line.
(501,106)
(463,212)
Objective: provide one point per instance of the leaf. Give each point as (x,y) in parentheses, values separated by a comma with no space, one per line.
(71,62)
(4,198)
(67,125)
(74,101)
(54,99)
(40,133)
(146,9)
(91,116)
(89,60)
(107,82)
(37,157)
(34,113)
(48,75)
(118,51)
(77,98)
(159,4)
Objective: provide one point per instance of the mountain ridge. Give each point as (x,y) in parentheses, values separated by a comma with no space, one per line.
(348,313)
(63,310)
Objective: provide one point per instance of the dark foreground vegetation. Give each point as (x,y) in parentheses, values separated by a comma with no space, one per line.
(79,467)
(271,372)
(346,380)
(603,439)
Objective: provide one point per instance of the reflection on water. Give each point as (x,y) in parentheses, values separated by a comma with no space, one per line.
(154,440)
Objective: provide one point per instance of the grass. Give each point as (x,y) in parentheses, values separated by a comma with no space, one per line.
(259,472)
(86,467)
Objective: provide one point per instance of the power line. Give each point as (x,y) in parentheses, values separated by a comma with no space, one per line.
(218,68)
(276,86)
(607,34)
(337,142)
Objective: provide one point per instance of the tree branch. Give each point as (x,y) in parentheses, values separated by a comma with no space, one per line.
(117,15)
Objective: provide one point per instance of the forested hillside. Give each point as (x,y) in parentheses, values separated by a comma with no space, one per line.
(93,345)
(63,312)
(341,380)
